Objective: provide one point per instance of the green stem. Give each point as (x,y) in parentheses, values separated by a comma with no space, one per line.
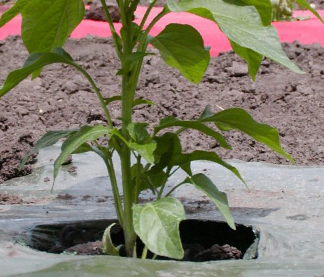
(115,36)
(114,185)
(150,26)
(173,189)
(107,157)
(147,14)
(138,179)
(167,175)
(128,90)
(99,95)
(143,43)
(144,253)
(133,6)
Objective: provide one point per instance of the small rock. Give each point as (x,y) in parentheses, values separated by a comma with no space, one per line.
(238,70)
(71,87)
(72,169)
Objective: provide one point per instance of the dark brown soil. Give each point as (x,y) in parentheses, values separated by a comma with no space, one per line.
(202,240)
(8,199)
(61,99)
(96,11)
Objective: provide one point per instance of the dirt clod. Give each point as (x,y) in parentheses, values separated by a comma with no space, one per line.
(8,199)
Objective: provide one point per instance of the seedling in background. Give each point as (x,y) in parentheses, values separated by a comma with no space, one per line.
(46,25)
(283,9)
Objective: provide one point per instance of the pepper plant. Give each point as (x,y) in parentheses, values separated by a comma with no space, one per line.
(149,158)
(283,9)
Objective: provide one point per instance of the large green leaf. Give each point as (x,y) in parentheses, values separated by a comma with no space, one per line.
(13,11)
(34,62)
(49,139)
(264,8)
(182,47)
(203,183)
(199,155)
(77,139)
(305,5)
(242,24)
(48,23)
(157,225)
(241,120)
(171,121)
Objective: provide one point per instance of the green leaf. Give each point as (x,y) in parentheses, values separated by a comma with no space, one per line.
(305,5)
(34,62)
(168,146)
(48,23)
(157,225)
(199,155)
(182,47)
(242,24)
(147,180)
(264,8)
(138,132)
(136,102)
(13,11)
(113,99)
(252,58)
(77,139)
(241,120)
(206,113)
(49,139)
(108,246)
(171,121)
(203,183)
(145,150)
(138,55)
(156,180)
(140,101)
(83,148)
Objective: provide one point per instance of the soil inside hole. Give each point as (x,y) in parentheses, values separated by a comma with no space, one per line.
(202,240)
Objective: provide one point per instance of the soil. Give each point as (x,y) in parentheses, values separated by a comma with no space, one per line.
(206,241)
(61,99)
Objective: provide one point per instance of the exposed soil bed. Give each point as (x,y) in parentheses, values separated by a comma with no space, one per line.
(61,99)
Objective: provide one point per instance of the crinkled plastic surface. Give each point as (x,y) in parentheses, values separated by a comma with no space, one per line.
(286,203)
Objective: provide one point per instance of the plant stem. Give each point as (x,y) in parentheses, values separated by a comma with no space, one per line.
(128,91)
(98,93)
(114,185)
(115,36)
(147,14)
(167,175)
(138,179)
(173,189)
(143,42)
(107,157)
(144,253)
